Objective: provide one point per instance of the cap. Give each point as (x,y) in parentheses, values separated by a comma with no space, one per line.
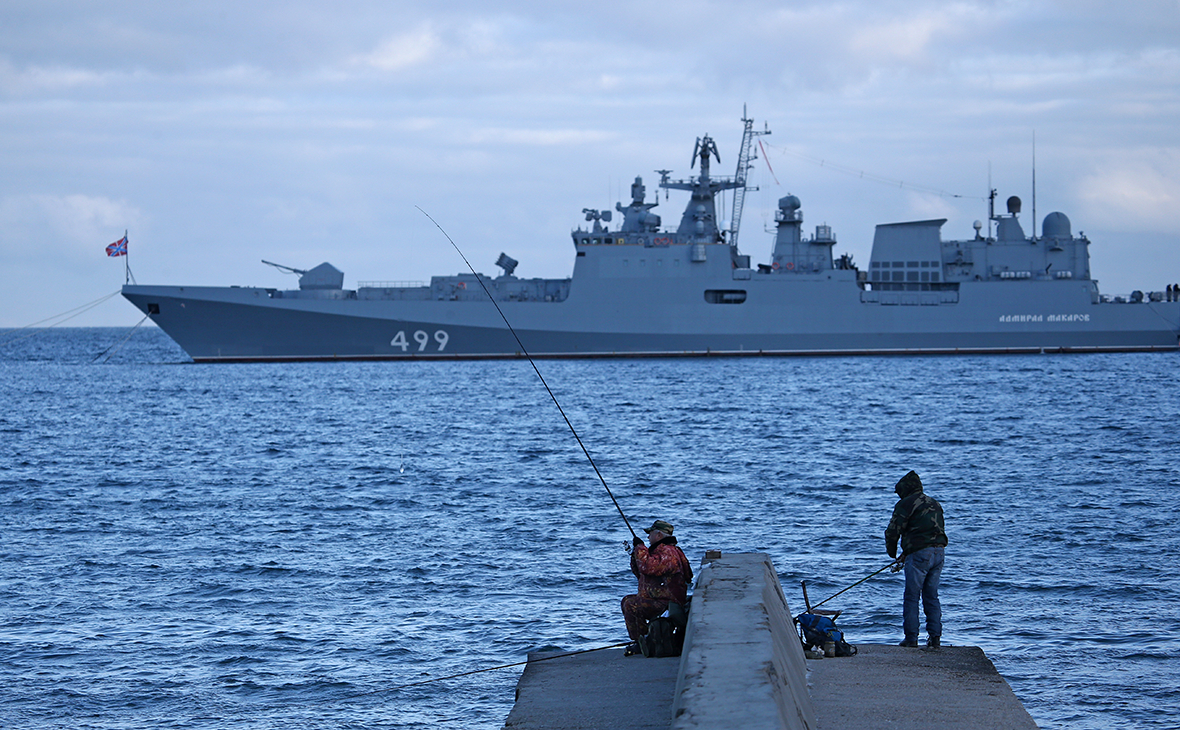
(664,527)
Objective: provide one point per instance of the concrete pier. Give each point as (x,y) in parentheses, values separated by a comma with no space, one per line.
(602,690)
(952,688)
(743,667)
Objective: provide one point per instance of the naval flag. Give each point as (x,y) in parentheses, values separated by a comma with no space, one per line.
(118,248)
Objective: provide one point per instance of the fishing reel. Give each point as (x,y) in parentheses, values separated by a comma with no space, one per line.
(897,565)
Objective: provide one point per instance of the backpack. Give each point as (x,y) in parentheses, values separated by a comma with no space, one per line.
(665,634)
(816,630)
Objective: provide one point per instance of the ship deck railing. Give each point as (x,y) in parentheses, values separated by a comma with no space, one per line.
(389,284)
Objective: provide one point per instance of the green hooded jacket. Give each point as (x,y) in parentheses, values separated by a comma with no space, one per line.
(917,519)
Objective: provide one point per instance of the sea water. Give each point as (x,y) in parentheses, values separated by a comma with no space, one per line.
(289,545)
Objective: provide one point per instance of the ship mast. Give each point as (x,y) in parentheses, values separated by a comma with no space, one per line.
(745,158)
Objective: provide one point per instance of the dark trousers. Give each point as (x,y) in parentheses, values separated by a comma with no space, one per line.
(638,611)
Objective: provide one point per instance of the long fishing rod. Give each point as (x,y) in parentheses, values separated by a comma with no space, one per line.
(536,370)
(486,669)
(892,564)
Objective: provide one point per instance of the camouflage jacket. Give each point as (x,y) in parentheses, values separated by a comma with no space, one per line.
(917,522)
(663,571)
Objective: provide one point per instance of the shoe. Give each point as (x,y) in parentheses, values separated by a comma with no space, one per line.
(908,642)
(934,642)
(632,649)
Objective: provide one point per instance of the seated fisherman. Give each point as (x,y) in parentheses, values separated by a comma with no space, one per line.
(664,576)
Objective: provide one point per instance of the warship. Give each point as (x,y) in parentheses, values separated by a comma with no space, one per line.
(640,289)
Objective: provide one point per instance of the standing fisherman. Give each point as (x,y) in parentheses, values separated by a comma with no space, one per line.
(664,575)
(917,521)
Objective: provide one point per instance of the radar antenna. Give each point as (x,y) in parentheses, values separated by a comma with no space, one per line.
(663,179)
(705,146)
(745,158)
(1034,186)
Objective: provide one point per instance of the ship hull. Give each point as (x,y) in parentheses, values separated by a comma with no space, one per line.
(215,324)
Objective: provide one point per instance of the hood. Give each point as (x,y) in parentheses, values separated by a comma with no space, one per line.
(909,484)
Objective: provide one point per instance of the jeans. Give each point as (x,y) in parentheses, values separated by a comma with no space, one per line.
(922,571)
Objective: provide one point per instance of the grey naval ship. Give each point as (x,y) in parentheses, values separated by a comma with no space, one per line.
(641,289)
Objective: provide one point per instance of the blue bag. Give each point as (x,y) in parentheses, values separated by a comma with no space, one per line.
(816,630)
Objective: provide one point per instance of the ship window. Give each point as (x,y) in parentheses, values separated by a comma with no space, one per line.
(725,296)
(899,264)
(933,276)
(912,264)
(581,253)
(925,276)
(925,264)
(899,276)
(911,276)
(876,264)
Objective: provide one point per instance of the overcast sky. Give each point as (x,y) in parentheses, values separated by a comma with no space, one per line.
(222,133)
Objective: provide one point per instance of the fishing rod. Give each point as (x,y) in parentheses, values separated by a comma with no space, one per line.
(486,669)
(895,564)
(535,369)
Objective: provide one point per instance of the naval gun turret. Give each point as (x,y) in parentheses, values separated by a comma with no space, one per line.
(324,276)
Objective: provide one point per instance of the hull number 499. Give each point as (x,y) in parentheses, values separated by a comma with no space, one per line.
(420,337)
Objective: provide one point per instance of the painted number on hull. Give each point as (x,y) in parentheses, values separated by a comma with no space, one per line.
(423,339)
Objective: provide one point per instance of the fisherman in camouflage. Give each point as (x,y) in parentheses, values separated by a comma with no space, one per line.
(664,575)
(917,522)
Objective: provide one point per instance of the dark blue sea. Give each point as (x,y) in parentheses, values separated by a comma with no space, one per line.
(278,546)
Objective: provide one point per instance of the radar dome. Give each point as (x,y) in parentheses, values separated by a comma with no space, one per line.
(789,202)
(1056,225)
(1014,205)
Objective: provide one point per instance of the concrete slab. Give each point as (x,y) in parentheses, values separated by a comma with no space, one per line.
(743,666)
(601,690)
(893,687)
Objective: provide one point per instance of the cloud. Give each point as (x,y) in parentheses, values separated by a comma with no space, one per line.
(904,38)
(1137,193)
(539,137)
(404,51)
(34,79)
(73,227)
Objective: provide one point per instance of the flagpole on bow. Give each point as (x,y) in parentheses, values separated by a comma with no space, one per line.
(119,248)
